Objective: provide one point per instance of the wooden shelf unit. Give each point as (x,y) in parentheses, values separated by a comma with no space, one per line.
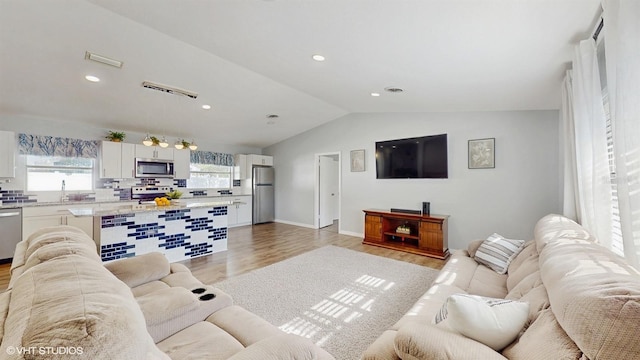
(428,233)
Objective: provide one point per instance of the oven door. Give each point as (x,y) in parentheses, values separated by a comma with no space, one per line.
(154,168)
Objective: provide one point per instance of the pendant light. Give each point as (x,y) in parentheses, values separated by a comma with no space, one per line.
(163,143)
(147,141)
(193,145)
(179,145)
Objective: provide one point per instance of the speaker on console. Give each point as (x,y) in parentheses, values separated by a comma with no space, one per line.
(426,208)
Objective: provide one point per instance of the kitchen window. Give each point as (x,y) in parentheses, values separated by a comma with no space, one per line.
(46,173)
(210,176)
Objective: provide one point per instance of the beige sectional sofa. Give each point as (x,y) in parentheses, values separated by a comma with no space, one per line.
(584,303)
(63,303)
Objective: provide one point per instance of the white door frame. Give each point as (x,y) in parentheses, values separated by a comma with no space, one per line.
(316,196)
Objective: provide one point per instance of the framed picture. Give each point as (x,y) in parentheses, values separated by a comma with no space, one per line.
(357,160)
(482,153)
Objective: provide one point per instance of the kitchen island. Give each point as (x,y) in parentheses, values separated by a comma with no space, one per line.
(180,231)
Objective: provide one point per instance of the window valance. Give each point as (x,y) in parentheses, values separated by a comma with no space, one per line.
(208,157)
(56,146)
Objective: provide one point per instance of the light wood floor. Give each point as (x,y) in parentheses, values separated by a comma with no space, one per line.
(253,247)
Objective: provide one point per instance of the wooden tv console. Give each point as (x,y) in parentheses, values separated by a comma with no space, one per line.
(427,234)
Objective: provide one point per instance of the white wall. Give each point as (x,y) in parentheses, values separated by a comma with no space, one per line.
(509,199)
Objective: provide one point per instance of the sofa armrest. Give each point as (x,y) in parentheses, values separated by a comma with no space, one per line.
(426,341)
(473,247)
(140,269)
(283,347)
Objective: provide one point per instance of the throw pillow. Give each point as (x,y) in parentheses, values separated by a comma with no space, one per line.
(493,322)
(496,252)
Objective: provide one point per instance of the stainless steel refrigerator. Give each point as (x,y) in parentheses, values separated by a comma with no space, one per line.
(263,204)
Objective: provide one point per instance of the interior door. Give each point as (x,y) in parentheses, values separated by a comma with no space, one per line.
(327,195)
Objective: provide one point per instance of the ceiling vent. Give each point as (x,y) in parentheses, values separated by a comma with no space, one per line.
(169,89)
(103,59)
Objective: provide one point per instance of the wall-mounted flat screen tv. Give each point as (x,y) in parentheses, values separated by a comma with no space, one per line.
(419,157)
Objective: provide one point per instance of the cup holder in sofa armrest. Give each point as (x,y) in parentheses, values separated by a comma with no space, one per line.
(207,297)
(198,290)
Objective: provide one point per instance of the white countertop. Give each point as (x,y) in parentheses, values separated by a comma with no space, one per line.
(126,209)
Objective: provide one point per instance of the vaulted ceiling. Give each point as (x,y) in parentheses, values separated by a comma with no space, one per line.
(251,58)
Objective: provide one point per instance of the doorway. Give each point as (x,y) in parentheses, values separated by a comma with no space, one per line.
(328,192)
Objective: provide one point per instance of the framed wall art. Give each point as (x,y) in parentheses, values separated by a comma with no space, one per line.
(357,160)
(482,153)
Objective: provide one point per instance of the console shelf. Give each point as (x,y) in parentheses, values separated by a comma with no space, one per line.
(428,234)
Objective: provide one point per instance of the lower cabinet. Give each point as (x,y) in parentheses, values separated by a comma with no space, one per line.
(38,217)
(240,213)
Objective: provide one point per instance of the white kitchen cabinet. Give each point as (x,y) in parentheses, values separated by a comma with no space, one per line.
(240,167)
(254,159)
(128,161)
(182,163)
(153,152)
(117,160)
(7,154)
(240,214)
(111,160)
(38,217)
(264,160)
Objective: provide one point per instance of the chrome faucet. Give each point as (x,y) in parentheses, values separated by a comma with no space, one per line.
(62,192)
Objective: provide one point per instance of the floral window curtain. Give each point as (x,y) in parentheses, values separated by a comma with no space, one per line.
(56,146)
(208,157)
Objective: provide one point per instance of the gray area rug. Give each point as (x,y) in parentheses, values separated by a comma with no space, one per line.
(338,298)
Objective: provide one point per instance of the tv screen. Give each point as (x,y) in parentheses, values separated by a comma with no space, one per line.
(420,157)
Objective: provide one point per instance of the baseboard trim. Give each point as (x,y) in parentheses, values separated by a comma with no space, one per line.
(351,233)
(294,223)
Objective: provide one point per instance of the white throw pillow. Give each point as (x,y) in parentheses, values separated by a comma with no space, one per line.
(496,252)
(493,322)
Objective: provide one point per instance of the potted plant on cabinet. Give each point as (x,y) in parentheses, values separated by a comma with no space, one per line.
(116,136)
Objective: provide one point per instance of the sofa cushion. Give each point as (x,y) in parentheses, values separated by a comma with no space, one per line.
(202,340)
(529,266)
(141,269)
(72,301)
(544,339)
(496,252)
(531,290)
(528,250)
(243,325)
(595,297)
(417,342)
(493,322)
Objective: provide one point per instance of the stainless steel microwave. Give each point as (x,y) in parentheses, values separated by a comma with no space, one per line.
(150,168)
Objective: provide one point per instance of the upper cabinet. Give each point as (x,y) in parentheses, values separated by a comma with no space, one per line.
(181,163)
(7,154)
(153,152)
(263,160)
(244,164)
(117,160)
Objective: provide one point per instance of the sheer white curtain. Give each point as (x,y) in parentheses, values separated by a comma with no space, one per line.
(594,207)
(622,51)
(568,145)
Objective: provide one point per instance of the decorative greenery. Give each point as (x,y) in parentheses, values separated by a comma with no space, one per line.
(155,140)
(174,194)
(185,143)
(116,136)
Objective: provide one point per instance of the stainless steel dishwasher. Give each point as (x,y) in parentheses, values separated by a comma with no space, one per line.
(11,227)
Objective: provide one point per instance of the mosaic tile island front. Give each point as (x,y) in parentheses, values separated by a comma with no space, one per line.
(180,232)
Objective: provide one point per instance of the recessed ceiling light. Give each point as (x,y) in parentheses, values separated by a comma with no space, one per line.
(317,57)
(206,107)
(375,94)
(92,78)
(393,89)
